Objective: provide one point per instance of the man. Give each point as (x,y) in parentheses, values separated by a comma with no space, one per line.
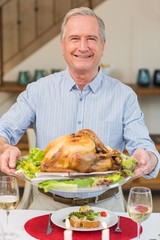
(79,97)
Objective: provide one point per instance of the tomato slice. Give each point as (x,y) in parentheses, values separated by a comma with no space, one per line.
(103,214)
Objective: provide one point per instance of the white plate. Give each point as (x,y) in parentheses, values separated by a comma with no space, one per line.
(58,217)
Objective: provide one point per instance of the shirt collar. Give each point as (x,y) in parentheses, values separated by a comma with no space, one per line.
(94,85)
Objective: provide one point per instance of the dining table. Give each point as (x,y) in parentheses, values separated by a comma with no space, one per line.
(21,220)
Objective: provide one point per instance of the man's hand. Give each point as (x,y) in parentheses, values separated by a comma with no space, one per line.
(8,158)
(147,161)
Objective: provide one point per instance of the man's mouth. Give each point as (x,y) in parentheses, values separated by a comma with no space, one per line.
(83,56)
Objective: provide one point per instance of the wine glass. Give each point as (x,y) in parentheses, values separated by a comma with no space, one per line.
(1,233)
(139,205)
(9,198)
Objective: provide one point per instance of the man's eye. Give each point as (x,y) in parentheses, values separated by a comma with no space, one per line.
(74,38)
(92,38)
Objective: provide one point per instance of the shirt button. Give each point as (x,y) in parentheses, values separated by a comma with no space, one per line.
(79,122)
(80,99)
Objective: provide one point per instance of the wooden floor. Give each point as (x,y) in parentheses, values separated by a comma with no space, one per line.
(156,199)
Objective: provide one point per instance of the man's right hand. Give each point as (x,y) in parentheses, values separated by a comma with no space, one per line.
(8,157)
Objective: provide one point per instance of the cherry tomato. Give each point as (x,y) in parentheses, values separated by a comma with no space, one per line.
(103,214)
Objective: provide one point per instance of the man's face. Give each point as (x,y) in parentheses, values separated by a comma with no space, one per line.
(82,46)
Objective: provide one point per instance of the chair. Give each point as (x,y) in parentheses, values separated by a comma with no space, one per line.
(28,192)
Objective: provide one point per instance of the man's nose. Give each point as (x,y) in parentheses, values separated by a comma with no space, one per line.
(83,45)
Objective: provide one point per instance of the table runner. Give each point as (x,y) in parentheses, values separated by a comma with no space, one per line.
(36,227)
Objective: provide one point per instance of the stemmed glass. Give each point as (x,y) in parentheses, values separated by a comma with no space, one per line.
(139,205)
(9,198)
(1,233)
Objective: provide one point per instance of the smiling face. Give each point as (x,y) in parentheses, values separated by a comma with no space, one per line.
(82,46)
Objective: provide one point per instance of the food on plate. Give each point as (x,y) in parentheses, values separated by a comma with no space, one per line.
(85,217)
(84,209)
(74,184)
(103,214)
(81,152)
(30,164)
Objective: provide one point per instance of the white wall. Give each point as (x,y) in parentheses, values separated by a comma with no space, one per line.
(48,57)
(133,42)
(133,35)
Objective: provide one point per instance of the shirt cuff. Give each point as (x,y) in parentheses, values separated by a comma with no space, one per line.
(155,171)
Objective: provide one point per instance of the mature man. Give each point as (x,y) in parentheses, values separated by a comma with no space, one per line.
(77,98)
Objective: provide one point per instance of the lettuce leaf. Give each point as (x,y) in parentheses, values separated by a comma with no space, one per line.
(74,184)
(71,184)
(31,164)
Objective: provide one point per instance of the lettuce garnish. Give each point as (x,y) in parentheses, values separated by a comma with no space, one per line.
(71,184)
(74,184)
(31,163)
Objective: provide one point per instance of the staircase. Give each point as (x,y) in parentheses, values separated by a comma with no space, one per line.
(27,25)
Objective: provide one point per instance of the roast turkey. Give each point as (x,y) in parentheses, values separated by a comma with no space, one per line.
(80,152)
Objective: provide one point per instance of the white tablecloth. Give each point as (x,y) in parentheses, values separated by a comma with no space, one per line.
(17,219)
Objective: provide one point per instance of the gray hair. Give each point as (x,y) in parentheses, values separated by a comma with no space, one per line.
(83,11)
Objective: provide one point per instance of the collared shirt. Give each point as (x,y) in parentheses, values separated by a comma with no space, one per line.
(57,107)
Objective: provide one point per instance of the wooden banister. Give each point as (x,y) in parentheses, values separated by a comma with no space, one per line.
(27,25)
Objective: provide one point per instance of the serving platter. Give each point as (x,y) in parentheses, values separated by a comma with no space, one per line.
(43,176)
(74,182)
(73,188)
(74,191)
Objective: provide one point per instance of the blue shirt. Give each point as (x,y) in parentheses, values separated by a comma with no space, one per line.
(55,106)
